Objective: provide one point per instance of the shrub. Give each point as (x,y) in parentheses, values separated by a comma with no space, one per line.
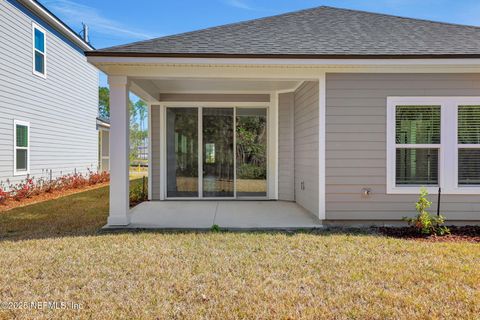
(139,192)
(22,190)
(424,222)
(4,195)
(251,171)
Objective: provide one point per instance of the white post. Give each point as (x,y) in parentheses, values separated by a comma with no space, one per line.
(119,151)
(322,144)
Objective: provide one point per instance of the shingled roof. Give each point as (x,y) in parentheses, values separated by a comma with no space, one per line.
(322,32)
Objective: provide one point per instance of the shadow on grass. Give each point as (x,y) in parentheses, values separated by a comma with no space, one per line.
(85,213)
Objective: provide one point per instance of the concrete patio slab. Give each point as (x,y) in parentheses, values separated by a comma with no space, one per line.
(231,215)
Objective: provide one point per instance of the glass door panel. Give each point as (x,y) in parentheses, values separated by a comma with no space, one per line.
(182,152)
(218,161)
(251,152)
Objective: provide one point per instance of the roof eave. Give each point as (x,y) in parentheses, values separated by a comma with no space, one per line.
(278,56)
(55,22)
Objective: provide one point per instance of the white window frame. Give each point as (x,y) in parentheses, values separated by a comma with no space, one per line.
(35,72)
(448,150)
(15,148)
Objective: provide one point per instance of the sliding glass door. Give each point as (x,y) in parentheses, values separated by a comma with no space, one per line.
(182,152)
(251,152)
(216,152)
(218,164)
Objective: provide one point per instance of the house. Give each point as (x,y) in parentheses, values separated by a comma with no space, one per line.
(346,114)
(49,95)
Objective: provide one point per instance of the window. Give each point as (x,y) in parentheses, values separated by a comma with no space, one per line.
(433,142)
(39,51)
(468,145)
(21,142)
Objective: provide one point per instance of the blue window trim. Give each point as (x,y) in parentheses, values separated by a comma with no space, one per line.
(45,25)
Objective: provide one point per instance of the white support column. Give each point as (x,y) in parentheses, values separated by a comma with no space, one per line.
(150,156)
(272,147)
(322,98)
(119,150)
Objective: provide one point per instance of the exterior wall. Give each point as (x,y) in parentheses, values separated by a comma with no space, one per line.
(61,109)
(155,149)
(286,158)
(356,144)
(306,145)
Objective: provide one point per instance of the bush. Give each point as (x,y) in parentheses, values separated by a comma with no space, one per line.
(424,222)
(251,171)
(4,195)
(139,192)
(22,190)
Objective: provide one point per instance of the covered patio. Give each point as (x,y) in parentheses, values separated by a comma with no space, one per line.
(228,215)
(199,172)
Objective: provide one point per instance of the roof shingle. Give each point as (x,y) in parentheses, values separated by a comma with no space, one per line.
(318,32)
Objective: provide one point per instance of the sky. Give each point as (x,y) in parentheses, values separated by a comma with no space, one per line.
(115,22)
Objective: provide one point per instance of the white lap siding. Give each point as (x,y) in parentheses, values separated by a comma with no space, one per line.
(61,109)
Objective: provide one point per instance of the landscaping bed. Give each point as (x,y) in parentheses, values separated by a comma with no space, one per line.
(457,234)
(30,190)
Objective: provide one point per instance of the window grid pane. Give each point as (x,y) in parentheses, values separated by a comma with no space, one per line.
(39,62)
(417,124)
(22,160)
(22,136)
(39,40)
(469,167)
(469,124)
(417,166)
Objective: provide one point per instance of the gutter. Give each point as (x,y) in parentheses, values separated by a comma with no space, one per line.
(278,56)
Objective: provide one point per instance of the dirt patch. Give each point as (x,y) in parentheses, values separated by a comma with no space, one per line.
(457,234)
(12,204)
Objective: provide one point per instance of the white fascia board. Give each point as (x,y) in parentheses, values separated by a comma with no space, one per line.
(295,62)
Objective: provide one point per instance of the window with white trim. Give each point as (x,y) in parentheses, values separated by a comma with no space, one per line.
(433,142)
(22,147)
(468,145)
(39,51)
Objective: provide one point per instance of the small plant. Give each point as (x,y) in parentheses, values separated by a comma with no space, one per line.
(139,192)
(3,196)
(215,228)
(424,222)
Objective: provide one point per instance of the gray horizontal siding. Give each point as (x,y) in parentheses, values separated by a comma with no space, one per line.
(306,121)
(286,164)
(356,144)
(61,109)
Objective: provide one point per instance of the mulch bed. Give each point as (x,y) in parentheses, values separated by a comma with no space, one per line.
(458,234)
(12,204)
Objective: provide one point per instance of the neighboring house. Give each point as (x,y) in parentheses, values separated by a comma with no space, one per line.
(353,112)
(103,127)
(49,95)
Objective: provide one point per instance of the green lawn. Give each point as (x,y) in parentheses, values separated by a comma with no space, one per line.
(54,251)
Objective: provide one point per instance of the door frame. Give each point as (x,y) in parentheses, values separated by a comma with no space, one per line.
(271,150)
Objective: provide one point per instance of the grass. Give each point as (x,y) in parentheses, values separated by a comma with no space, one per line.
(53,251)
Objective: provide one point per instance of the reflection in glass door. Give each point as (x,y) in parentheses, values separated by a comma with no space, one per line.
(182,152)
(251,152)
(218,160)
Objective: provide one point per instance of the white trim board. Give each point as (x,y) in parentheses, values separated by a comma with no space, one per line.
(448,148)
(35,72)
(26,124)
(272,170)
